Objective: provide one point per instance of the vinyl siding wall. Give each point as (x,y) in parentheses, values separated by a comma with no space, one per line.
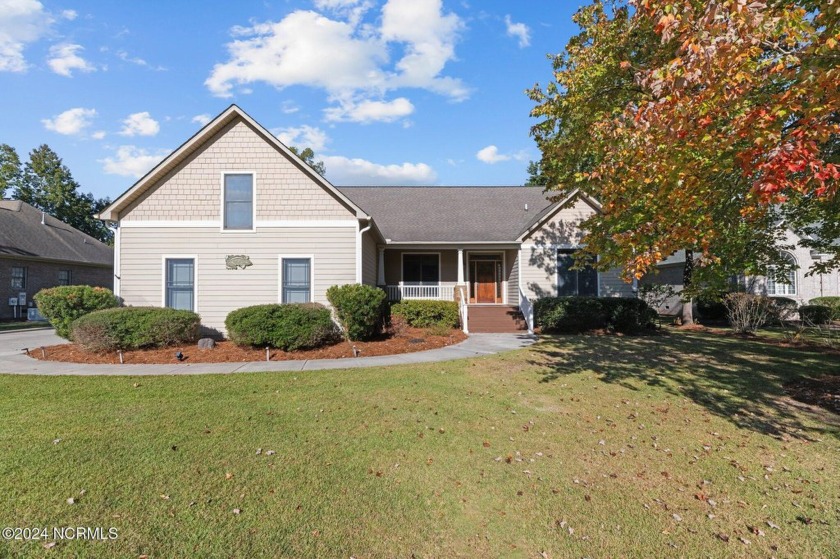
(192,191)
(220,290)
(370,256)
(538,255)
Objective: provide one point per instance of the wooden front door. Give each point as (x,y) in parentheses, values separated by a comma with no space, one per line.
(485,281)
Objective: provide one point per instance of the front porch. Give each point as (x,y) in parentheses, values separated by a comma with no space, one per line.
(483,280)
(487,276)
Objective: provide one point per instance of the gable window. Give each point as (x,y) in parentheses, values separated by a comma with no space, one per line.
(64,277)
(238,201)
(18,277)
(296,281)
(781,282)
(421,269)
(574,282)
(180,283)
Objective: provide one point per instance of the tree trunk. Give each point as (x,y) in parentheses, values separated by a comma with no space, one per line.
(688,305)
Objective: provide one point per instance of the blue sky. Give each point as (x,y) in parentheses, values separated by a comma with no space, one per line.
(386,92)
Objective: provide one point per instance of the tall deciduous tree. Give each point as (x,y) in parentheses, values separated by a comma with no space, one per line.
(10,172)
(46,183)
(308,157)
(698,125)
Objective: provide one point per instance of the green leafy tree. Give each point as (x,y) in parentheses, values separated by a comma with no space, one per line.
(10,173)
(47,184)
(535,175)
(308,157)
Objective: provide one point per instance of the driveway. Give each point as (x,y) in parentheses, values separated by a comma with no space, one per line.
(13,360)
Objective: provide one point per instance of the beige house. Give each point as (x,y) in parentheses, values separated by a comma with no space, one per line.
(233,218)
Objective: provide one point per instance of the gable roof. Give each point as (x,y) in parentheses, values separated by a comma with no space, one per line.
(419,214)
(112,212)
(23,235)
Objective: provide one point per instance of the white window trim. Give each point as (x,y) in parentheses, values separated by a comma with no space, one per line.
(253,228)
(557,250)
(164,258)
(468,274)
(794,285)
(402,263)
(280,258)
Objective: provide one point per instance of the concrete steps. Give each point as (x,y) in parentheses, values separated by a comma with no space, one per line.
(495,319)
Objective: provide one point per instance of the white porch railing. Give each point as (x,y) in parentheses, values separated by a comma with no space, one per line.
(432,292)
(527,309)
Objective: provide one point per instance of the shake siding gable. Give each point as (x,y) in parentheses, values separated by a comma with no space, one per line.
(192,191)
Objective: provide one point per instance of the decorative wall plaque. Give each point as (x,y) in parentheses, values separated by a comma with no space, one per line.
(237,261)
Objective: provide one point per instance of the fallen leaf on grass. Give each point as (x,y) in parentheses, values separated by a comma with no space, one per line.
(236,511)
(49,545)
(228,475)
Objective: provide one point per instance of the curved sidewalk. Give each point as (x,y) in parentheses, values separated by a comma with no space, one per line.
(14,361)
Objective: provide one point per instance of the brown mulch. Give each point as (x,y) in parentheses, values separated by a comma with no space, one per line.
(822,391)
(405,340)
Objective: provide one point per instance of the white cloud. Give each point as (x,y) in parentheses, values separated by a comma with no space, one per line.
(303,137)
(131,161)
(140,124)
(289,107)
(491,155)
(71,122)
(370,111)
(346,171)
(64,58)
(348,58)
(125,57)
(202,119)
(519,31)
(98,135)
(21,22)
(69,15)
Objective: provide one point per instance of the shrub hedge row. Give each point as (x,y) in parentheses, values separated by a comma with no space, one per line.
(420,313)
(287,327)
(816,314)
(831,302)
(62,305)
(135,328)
(361,309)
(580,314)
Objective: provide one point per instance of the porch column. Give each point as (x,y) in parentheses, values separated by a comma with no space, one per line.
(380,278)
(460,266)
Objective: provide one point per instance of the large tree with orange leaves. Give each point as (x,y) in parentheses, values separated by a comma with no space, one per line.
(700,125)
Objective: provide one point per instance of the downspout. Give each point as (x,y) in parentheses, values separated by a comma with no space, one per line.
(117,259)
(359,250)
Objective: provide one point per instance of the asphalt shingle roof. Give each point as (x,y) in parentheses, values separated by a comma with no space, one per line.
(23,234)
(450,213)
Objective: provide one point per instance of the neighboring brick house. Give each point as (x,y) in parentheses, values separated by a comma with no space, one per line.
(38,251)
(233,218)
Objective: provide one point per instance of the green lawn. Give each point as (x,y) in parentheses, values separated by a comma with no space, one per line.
(603,446)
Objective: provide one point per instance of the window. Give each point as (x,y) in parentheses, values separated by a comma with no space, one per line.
(64,277)
(782,282)
(421,269)
(18,277)
(574,282)
(180,283)
(239,201)
(296,280)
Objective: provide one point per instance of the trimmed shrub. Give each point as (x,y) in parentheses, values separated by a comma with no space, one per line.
(288,327)
(628,315)
(783,308)
(361,309)
(62,305)
(832,302)
(579,314)
(711,306)
(815,314)
(135,328)
(427,314)
(747,312)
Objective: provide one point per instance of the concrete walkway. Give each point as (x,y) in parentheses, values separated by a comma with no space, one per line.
(14,361)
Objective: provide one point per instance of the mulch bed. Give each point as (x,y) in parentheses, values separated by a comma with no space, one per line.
(823,391)
(405,340)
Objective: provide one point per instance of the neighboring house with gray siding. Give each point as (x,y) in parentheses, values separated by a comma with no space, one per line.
(38,251)
(234,189)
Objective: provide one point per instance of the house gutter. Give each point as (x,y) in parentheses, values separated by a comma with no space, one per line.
(359,249)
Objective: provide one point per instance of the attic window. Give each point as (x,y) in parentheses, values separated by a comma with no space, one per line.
(238,204)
